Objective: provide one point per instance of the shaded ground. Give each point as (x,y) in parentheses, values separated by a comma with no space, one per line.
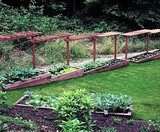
(44,119)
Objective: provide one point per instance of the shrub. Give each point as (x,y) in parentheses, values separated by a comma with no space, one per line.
(75,105)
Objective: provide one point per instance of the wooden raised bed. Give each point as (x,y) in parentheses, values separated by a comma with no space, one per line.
(19,103)
(153,57)
(129,113)
(74,74)
(41,79)
(107,68)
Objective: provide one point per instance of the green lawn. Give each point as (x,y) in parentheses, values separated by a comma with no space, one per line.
(140,81)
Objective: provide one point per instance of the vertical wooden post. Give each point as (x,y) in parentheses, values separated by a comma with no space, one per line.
(33,55)
(94,49)
(115,46)
(68,52)
(126,47)
(148,41)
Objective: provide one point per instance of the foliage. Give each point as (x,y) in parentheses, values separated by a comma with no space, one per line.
(75,104)
(92,65)
(73,125)
(63,69)
(96,64)
(39,100)
(131,81)
(3,100)
(142,56)
(130,121)
(117,120)
(107,129)
(18,74)
(112,103)
(114,61)
(155,124)
(3,126)
(18,121)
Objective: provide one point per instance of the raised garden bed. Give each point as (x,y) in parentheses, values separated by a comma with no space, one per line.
(144,57)
(110,104)
(98,66)
(123,103)
(22,78)
(158,53)
(64,72)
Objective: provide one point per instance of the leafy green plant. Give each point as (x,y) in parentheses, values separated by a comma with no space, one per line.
(107,129)
(130,122)
(73,125)
(112,103)
(117,120)
(18,74)
(39,100)
(142,56)
(3,100)
(61,70)
(75,104)
(3,126)
(93,65)
(18,121)
(155,124)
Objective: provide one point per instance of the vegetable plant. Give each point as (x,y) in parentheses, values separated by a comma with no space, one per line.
(18,74)
(75,104)
(117,120)
(72,126)
(142,56)
(93,65)
(96,64)
(112,103)
(63,69)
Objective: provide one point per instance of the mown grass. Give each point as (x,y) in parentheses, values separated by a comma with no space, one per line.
(140,81)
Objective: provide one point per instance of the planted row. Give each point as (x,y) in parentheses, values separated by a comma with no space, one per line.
(63,69)
(112,103)
(101,101)
(76,107)
(97,64)
(142,56)
(18,74)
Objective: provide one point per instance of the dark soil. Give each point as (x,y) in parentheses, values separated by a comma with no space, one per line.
(45,120)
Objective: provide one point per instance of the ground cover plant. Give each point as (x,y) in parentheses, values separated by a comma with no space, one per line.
(59,70)
(18,74)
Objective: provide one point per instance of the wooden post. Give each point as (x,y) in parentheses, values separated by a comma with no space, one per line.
(126,47)
(68,52)
(33,55)
(148,41)
(94,49)
(115,46)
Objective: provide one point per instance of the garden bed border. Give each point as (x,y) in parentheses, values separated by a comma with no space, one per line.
(77,73)
(153,57)
(108,68)
(18,104)
(38,80)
